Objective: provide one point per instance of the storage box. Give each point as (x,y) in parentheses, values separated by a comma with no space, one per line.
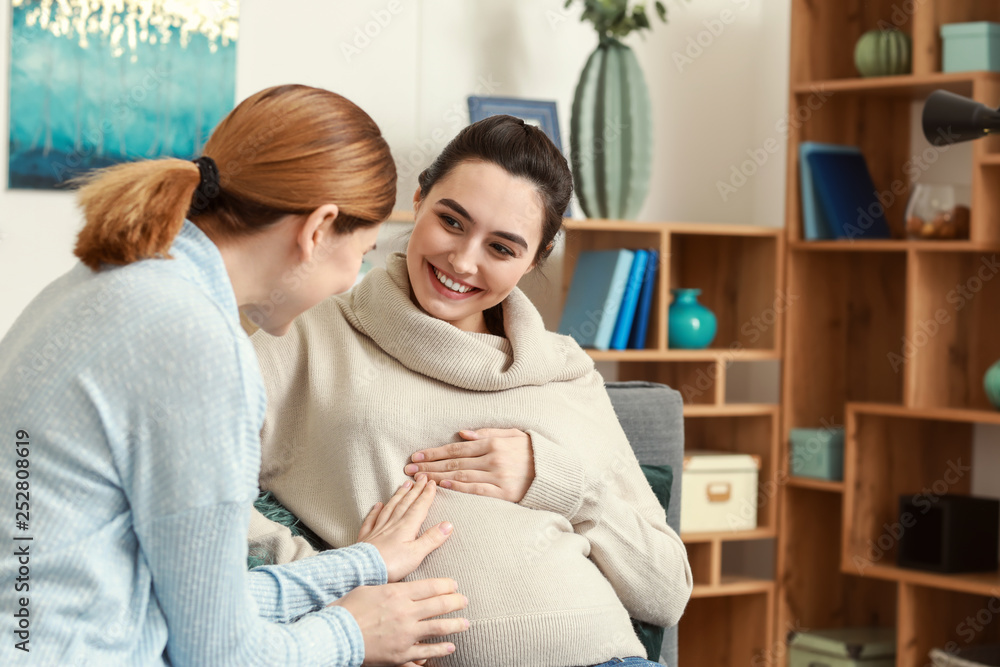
(818,453)
(843,647)
(719,491)
(971,46)
(949,533)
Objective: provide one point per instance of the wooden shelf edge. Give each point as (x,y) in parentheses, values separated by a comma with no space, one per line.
(815,484)
(895,245)
(912,85)
(728,535)
(696,228)
(732,410)
(732,585)
(400,215)
(711,354)
(938,414)
(986,583)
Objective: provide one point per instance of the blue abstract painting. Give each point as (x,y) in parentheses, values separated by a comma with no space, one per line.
(94,83)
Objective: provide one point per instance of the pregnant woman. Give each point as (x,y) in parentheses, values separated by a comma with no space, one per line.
(558,537)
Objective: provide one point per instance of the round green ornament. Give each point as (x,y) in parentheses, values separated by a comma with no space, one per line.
(883,53)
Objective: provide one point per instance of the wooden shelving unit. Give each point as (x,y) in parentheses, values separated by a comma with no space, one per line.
(739,270)
(879,342)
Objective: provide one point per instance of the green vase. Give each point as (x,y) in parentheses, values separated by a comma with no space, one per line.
(991,383)
(611,134)
(883,53)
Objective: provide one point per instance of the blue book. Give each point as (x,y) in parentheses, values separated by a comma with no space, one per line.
(637,339)
(626,314)
(595,297)
(815,225)
(847,195)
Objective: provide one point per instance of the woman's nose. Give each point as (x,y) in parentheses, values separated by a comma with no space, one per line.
(463,260)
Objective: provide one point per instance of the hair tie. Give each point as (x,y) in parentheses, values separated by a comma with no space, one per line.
(208,188)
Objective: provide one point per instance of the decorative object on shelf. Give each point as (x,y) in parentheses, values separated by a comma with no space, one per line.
(883,53)
(948,118)
(948,533)
(969,47)
(844,647)
(818,453)
(934,212)
(690,325)
(991,383)
(719,491)
(611,127)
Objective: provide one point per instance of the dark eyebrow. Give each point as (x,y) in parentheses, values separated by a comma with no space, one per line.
(458,208)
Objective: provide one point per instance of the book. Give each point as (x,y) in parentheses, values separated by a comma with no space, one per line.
(626,314)
(595,297)
(814,223)
(847,195)
(637,337)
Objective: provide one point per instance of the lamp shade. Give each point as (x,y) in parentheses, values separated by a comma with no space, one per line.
(949,118)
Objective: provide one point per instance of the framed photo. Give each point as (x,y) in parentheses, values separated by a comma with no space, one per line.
(540,113)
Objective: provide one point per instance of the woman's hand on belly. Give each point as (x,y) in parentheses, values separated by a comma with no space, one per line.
(394,528)
(393,618)
(495,462)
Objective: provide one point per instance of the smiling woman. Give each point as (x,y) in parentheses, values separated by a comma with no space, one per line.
(438,367)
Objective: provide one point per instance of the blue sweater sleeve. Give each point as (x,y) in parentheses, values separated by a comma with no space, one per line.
(285,592)
(188,452)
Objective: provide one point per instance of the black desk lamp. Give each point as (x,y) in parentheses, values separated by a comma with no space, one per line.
(950,118)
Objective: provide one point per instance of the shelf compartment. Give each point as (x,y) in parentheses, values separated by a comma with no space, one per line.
(738,278)
(747,434)
(951,335)
(814,592)
(886,457)
(974,583)
(701,383)
(849,315)
(933,618)
(708,634)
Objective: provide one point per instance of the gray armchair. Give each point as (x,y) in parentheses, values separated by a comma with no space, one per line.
(652,416)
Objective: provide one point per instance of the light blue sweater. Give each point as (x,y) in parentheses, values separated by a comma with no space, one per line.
(140,402)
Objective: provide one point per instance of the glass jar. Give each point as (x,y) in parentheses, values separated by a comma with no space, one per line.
(938,211)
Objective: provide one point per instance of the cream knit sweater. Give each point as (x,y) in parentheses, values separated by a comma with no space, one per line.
(364,380)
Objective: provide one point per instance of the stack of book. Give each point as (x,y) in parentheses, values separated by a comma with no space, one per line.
(610,299)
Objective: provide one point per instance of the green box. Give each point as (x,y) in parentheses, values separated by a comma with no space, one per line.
(843,647)
(970,47)
(818,453)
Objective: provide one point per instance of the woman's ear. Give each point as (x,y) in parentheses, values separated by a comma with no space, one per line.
(316,230)
(416,199)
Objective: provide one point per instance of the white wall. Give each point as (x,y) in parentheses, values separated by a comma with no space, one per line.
(413,77)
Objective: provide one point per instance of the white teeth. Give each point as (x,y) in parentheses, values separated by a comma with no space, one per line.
(449,283)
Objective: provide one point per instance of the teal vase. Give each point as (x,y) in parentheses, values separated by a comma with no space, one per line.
(991,383)
(691,326)
(611,134)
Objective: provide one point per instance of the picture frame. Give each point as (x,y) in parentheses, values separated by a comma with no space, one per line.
(540,113)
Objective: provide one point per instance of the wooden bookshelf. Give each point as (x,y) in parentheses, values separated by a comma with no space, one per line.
(860,350)
(739,269)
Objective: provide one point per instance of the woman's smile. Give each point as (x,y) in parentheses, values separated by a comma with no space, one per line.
(449,286)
